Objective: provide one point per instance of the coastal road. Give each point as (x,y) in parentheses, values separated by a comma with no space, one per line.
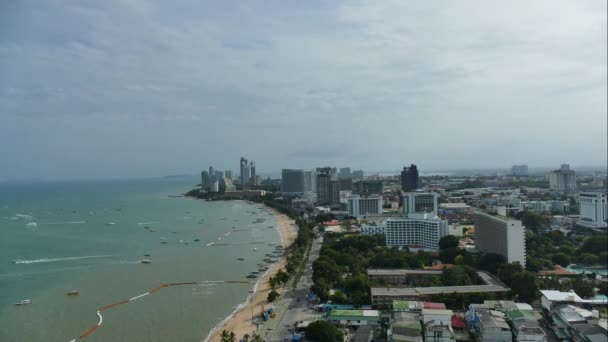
(295,300)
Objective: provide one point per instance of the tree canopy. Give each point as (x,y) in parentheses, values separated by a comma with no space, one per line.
(448,241)
(323,331)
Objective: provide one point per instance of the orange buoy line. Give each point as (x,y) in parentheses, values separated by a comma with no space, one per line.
(156,289)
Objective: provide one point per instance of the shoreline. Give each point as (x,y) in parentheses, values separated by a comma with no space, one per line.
(239,321)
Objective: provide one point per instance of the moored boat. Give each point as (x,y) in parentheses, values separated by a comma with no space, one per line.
(72,293)
(146,261)
(24,302)
(241,259)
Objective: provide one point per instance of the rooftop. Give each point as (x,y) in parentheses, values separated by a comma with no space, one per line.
(400,271)
(454,206)
(421,291)
(355,313)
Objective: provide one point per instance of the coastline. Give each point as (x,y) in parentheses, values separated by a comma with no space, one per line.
(239,321)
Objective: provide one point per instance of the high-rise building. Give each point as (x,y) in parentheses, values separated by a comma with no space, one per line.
(252,175)
(562,180)
(293,181)
(228,174)
(245,175)
(211,172)
(593,210)
(333,172)
(219,174)
(346,184)
(500,235)
(420,203)
(519,170)
(310,182)
(368,187)
(214,187)
(204,180)
(328,189)
(415,233)
(344,173)
(358,175)
(409,178)
(359,207)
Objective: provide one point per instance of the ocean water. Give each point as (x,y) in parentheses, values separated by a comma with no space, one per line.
(91,237)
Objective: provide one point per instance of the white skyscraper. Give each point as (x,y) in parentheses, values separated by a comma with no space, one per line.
(501,235)
(562,180)
(593,210)
(361,206)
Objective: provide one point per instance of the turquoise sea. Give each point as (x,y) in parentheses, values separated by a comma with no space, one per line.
(91,237)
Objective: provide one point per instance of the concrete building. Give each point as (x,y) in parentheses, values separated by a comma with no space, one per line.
(292,182)
(346,184)
(344,173)
(415,232)
(409,178)
(360,207)
(368,187)
(373,228)
(253,179)
(228,174)
(519,170)
(204,180)
(500,235)
(420,203)
(561,206)
(225,185)
(357,175)
(562,180)
(245,174)
(437,325)
(310,182)
(214,187)
(593,210)
(350,318)
(323,181)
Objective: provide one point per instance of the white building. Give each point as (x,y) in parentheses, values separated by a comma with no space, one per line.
(415,232)
(420,203)
(562,180)
(561,206)
(593,210)
(373,228)
(362,206)
(214,187)
(500,235)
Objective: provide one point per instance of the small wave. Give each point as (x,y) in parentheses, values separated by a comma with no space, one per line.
(31,226)
(210,243)
(227,234)
(143,223)
(69,222)
(58,259)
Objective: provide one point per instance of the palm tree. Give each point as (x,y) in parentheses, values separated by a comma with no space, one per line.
(225,336)
(257,338)
(232,337)
(246,337)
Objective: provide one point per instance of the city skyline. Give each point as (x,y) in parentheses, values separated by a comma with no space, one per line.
(130,89)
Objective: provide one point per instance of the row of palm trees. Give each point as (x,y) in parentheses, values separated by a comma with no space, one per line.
(231,337)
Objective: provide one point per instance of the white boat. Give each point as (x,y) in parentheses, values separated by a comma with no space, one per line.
(255,249)
(110,223)
(24,302)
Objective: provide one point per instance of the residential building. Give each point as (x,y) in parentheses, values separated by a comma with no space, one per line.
(245,174)
(310,182)
(346,184)
(562,180)
(344,173)
(292,182)
(388,276)
(437,325)
(357,174)
(493,328)
(373,228)
(593,210)
(368,187)
(205,180)
(253,179)
(560,206)
(225,185)
(214,187)
(519,170)
(323,181)
(409,178)
(360,207)
(500,235)
(211,172)
(406,327)
(420,203)
(228,174)
(350,318)
(415,232)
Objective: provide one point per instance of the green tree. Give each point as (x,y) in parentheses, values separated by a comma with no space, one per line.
(534,221)
(338,298)
(561,259)
(272,296)
(583,287)
(459,276)
(595,244)
(491,262)
(458,260)
(524,286)
(507,272)
(448,241)
(324,331)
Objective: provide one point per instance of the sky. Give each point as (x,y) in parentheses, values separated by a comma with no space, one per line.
(139,88)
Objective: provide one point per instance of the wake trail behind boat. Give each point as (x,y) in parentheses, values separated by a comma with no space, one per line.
(59,259)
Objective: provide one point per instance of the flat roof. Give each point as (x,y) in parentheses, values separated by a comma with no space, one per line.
(357,313)
(401,271)
(421,291)
(558,296)
(454,206)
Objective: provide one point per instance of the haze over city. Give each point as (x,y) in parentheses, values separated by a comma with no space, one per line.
(150,88)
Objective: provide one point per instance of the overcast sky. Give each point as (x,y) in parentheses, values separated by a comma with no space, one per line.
(144,88)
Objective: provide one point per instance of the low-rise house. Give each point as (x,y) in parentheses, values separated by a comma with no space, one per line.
(437,325)
(405,328)
(347,318)
(493,328)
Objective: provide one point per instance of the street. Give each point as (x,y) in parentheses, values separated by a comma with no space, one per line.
(294,301)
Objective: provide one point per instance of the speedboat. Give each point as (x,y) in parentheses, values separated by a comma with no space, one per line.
(146,261)
(72,293)
(24,302)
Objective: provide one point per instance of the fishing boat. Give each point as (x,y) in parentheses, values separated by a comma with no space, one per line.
(146,255)
(251,276)
(146,261)
(24,302)
(241,259)
(197,240)
(72,293)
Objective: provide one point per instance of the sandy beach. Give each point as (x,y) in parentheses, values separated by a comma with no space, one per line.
(240,323)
